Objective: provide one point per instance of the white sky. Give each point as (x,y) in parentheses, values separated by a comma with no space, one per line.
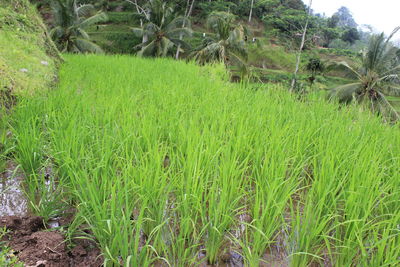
(384,15)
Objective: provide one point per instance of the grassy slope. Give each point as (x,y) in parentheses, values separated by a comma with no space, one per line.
(162,157)
(23,45)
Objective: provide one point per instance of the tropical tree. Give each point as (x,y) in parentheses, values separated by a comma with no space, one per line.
(162,30)
(377,76)
(314,66)
(71,21)
(226,43)
(351,35)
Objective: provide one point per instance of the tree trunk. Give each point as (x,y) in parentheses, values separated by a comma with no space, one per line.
(187,15)
(303,39)
(251,10)
(145,38)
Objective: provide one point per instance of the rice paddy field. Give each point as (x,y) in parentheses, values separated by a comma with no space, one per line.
(167,164)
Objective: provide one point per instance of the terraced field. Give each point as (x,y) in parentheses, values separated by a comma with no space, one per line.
(165,163)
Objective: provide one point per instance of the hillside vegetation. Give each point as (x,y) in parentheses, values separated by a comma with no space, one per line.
(166,163)
(28,58)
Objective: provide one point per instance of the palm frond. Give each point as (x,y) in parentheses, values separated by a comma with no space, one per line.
(344,93)
(56,32)
(99,17)
(138,32)
(211,53)
(388,107)
(87,46)
(83,34)
(181,43)
(148,49)
(85,10)
(346,66)
(395,30)
(179,22)
(179,33)
(150,28)
(165,45)
(391,90)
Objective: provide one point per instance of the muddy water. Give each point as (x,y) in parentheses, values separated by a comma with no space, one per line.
(12,198)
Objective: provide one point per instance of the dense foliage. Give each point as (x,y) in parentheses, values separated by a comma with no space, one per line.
(376,74)
(70,21)
(283,19)
(161,29)
(225,43)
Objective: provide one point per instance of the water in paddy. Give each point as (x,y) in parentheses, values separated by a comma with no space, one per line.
(12,197)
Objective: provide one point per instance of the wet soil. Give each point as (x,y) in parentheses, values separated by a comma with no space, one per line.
(36,246)
(40,245)
(12,198)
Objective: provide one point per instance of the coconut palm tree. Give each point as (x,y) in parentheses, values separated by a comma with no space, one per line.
(70,22)
(225,44)
(161,30)
(377,76)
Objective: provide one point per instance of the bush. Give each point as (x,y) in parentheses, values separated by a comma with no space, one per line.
(208,7)
(339,44)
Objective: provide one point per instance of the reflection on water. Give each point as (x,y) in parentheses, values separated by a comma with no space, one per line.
(12,198)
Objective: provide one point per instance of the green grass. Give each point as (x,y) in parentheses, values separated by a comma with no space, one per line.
(23,48)
(24,52)
(7,255)
(163,159)
(268,56)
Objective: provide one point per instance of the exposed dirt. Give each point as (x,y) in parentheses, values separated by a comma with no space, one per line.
(36,246)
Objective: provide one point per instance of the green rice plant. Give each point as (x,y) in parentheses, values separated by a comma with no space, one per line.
(5,144)
(29,143)
(167,163)
(45,196)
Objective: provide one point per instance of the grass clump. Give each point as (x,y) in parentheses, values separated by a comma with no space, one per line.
(7,255)
(164,161)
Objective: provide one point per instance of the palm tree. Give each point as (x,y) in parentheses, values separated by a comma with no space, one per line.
(70,23)
(377,76)
(161,30)
(226,43)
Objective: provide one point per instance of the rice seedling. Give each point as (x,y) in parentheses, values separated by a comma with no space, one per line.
(162,160)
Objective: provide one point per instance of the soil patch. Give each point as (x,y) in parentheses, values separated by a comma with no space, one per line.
(36,246)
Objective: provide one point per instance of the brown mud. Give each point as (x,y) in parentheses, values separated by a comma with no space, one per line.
(36,246)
